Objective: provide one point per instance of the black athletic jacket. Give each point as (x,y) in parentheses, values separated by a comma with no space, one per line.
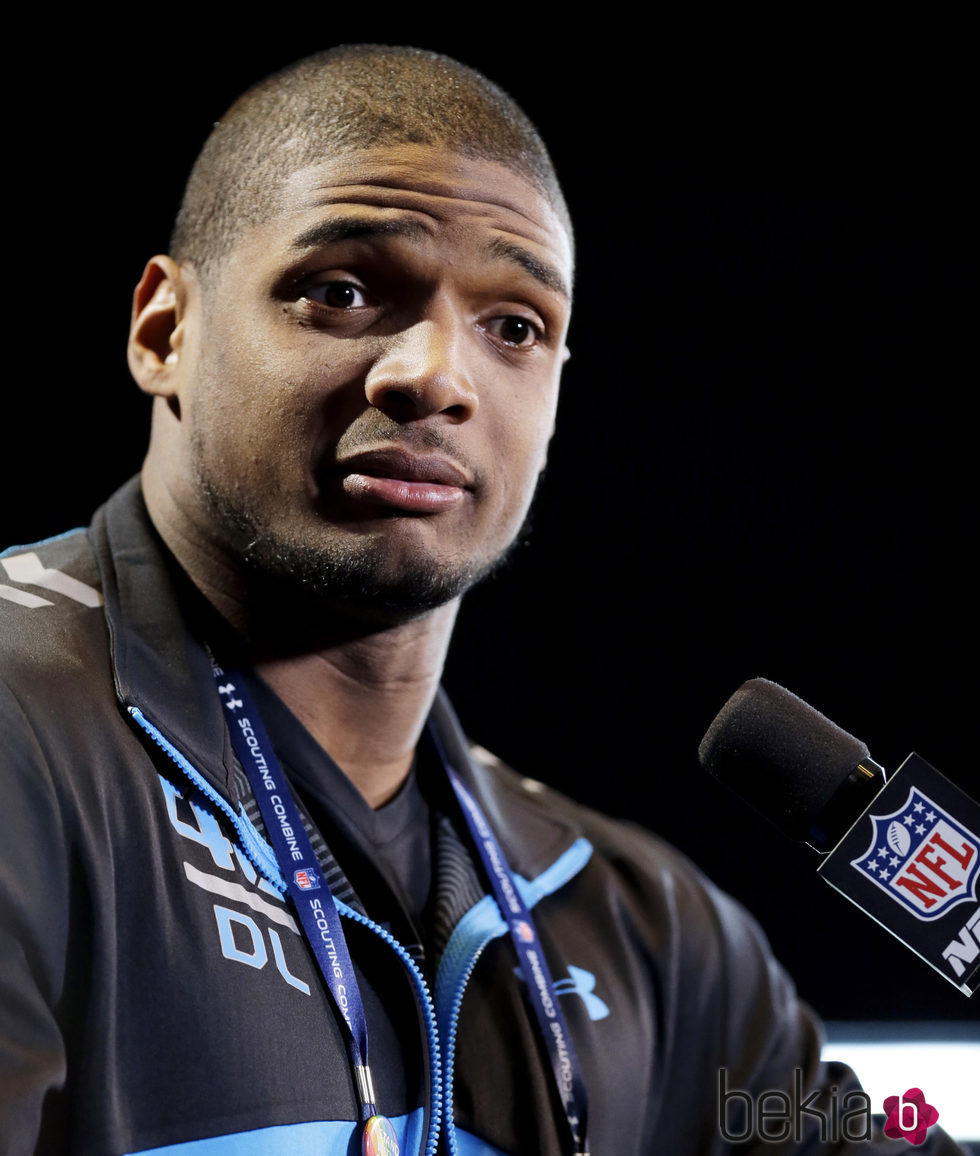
(155,994)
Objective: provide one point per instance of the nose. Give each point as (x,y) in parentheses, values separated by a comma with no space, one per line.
(423,372)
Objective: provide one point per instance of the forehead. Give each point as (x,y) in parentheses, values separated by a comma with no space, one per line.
(422,190)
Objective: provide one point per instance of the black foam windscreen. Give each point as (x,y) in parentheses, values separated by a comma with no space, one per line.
(779,754)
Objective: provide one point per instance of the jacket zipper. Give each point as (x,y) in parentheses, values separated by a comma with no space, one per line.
(474,931)
(429,1015)
(463,956)
(260,854)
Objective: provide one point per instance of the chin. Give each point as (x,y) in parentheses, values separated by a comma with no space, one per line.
(361,580)
(310,570)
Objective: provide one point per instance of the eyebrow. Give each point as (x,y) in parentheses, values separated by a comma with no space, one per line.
(345,228)
(338,229)
(541,271)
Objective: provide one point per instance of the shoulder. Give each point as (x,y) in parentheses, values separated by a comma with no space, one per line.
(50,600)
(54,660)
(668,915)
(615,841)
(639,866)
(52,655)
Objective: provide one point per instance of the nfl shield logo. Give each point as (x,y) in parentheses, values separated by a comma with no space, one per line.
(523,930)
(922,857)
(306,879)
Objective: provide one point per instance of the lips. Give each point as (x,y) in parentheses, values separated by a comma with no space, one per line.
(413,483)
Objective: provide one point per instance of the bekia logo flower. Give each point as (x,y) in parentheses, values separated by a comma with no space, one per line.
(909,1116)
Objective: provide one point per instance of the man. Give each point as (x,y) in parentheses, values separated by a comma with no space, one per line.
(354,350)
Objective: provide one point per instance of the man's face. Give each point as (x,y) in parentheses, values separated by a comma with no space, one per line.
(368,381)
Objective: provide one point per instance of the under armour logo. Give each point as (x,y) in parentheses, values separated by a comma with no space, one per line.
(582,983)
(232,703)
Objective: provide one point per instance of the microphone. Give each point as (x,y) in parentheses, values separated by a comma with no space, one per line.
(904,849)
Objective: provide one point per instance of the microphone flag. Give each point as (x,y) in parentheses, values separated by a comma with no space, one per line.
(912,862)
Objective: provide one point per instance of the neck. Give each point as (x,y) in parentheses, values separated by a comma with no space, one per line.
(366,699)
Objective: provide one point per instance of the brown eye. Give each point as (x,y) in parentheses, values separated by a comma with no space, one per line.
(517,331)
(337,295)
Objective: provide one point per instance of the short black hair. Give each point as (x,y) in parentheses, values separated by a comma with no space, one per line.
(353,96)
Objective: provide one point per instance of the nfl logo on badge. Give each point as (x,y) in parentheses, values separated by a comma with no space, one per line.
(922,857)
(523,930)
(306,879)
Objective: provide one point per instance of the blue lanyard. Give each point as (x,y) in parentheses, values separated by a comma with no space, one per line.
(321,923)
(540,986)
(298,863)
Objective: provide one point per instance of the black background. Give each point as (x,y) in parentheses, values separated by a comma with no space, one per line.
(765,429)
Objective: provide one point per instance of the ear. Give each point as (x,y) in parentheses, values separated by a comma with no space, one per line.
(156,331)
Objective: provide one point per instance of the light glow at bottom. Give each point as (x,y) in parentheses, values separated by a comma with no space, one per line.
(941,1059)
